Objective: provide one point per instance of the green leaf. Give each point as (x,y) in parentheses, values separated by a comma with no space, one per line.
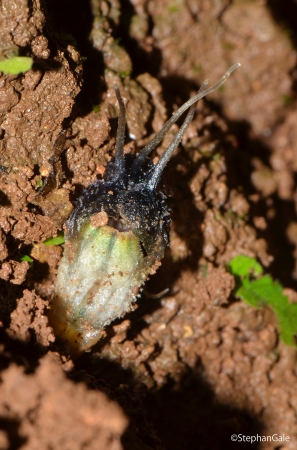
(55,240)
(288,325)
(264,291)
(242,266)
(96,108)
(16,65)
(26,258)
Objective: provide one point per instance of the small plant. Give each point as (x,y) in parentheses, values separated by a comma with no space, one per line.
(261,290)
(26,258)
(96,108)
(16,65)
(287,100)
(55,240)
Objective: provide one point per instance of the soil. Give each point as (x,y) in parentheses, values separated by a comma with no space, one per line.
(190,368)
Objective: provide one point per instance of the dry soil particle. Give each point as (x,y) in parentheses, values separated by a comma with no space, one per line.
(38,406)
(33,108)
(229,31)
(29,316)
(34,122)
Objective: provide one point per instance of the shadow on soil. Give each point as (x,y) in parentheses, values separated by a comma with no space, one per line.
(11,428)
(70,22)
(183,416)
(284,13)
(186,416)
(189,417)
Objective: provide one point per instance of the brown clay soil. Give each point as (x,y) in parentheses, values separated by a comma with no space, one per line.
(188,370)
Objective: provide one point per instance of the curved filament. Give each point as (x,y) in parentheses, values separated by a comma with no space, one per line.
(157,172)
(177,139)
(120,138)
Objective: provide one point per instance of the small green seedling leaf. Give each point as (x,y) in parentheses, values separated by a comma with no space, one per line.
(16,65)
(55,240)
(96,108)
(264,291)
(26,258)
(243,266)
(124,73)
(287,320)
